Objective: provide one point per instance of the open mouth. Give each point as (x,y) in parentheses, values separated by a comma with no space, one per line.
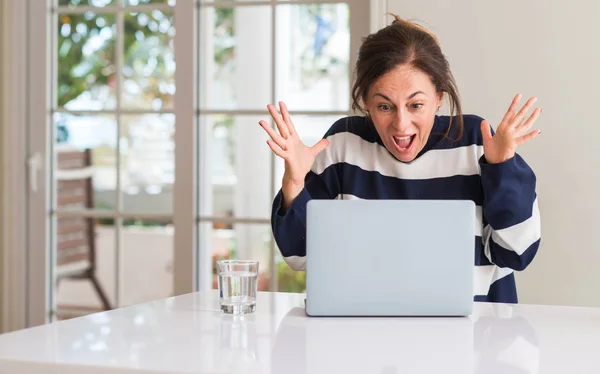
(404,143)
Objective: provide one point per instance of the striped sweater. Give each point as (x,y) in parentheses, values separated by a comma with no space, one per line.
(356,165)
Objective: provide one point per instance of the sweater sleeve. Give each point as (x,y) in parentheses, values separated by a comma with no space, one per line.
(322,182)
(513,232)
(289,226)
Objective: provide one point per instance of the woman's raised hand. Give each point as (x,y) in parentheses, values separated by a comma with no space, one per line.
(512,131)
(286,144)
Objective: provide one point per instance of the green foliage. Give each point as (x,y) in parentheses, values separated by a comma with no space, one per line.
(78,71)
(224,35)
(290,280)
(87,46)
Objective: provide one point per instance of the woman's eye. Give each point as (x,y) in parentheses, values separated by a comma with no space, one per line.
(417,106)
(384,107)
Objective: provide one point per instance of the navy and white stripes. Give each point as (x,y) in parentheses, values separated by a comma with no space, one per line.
(356,165)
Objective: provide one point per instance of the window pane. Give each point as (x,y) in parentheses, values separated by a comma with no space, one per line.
(147,260)
(77,238)
(144,2)
(148,163)
(94,3)
(313,53)
(235,167)
(85,152)
(148,61)
(238,241)
(147,255)
(311,129)
(86,61)
(234,69)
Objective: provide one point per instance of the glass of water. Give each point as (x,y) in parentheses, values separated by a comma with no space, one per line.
(238,283)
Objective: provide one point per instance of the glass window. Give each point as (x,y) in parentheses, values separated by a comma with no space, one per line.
(303,58)
(113,154)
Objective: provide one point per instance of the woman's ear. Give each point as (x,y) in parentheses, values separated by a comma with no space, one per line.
(365,106)
(440,100)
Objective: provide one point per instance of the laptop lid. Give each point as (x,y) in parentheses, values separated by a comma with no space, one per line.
(390,257)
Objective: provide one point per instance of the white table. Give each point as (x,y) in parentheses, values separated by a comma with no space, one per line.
(188,334)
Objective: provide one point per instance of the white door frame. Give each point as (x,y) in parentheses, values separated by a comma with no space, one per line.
(378,15)
(13,36)
(184,204)
(38,108)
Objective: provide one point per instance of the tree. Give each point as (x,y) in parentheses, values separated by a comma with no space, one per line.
(87,55)
(87,58)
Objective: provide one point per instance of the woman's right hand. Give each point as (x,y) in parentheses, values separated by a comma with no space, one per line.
(298,157)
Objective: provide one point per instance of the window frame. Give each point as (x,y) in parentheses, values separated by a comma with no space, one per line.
(37,60)
(358,29)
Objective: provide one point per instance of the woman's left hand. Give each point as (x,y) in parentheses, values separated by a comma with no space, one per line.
(511,132)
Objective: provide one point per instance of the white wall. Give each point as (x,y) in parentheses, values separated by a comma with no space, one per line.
(2,182)
(12,161)
(550,49)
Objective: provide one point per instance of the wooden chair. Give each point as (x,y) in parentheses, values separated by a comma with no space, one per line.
(76,236)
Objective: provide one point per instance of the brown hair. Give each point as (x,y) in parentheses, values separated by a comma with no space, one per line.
(405,42)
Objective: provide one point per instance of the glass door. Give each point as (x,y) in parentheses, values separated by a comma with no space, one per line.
(146,162)
(102,154)
(250,54)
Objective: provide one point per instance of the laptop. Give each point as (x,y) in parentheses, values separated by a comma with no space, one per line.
(389,257)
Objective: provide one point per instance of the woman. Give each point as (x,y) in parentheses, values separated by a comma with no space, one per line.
(401,149)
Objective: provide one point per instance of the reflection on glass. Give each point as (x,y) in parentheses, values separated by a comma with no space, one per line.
(149,61)
(94,3)
(147,248)
(84,272)
(85,154)
(239,74)
(86,71)
(148,163)
(313,53)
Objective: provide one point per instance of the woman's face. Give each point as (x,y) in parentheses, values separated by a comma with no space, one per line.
(402,105)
